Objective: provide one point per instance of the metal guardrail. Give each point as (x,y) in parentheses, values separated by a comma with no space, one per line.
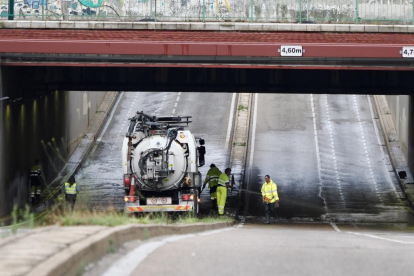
(283,11)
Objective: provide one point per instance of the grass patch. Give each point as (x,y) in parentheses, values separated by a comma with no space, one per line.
(242,107)
(243,144)
(24,219)
(113,218)
(20,219)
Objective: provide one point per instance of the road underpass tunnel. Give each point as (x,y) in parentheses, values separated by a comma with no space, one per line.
(315,176)
(34,126)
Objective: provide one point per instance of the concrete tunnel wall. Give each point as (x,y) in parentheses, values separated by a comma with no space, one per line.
(47,127)
(402,112)
(2,155)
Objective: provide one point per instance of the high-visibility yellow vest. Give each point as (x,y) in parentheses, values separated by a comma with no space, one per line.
(223,179)
(212,177)
(36,168)
(70,190)
(270,191)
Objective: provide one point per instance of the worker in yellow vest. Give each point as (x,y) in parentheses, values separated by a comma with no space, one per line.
(71,191)
(35,177)
(270,197)
(212,178)
(222,186)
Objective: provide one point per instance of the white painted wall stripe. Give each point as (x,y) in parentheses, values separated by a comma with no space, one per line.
(230,124)
(254,123)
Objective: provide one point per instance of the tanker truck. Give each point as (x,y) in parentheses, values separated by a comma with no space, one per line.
(160,165)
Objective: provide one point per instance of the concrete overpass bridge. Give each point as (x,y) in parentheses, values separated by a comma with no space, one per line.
(180,57)
(41,60)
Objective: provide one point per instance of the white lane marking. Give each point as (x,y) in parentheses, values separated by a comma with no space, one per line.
(208,233)
(335,227)
(157,112)
(227,145)
(370,235)
(367,158)
(131,260)
(380,238)
(318,154)
(335,164)
(176,103)
(256,99)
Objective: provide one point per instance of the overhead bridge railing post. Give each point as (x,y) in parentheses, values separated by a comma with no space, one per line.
(11,10)
(251,10)
(356,11)
(204,11)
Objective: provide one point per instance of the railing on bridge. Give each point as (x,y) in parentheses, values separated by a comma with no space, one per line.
(288,11)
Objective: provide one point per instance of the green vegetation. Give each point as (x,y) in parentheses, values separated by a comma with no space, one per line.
(114,218)
(242,107)
(24,219)
(243,144)
(20,219)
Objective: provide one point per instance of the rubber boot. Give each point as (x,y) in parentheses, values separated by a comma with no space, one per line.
(214,202)
(267,218)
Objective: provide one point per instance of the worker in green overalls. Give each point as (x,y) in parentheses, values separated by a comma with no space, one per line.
(212,178)
(35,176)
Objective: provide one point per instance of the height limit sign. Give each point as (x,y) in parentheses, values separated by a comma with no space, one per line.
(407,52)
(291,51)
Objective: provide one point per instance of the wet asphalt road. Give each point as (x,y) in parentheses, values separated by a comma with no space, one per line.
(323,151)
(276,249)
(331,168)
(326,157)
(100,177)
(291,249)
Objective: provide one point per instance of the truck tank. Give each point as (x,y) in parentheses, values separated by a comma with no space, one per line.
(160,164)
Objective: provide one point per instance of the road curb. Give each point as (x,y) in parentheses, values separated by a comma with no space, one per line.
(75,257)
(394,148)
(240,134)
